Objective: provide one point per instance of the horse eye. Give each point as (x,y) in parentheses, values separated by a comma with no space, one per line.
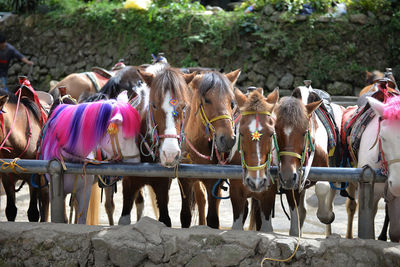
(207,101)
(153,106)
(232,104)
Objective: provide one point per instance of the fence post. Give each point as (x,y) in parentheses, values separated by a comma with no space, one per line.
(366,214)
(56,192)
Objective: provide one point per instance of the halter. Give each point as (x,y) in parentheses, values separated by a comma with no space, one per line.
(208,123)
(308,147)
(267,163)
(112,130)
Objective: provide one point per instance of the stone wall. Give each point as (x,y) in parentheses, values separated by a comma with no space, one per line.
(333,53)
(150,243)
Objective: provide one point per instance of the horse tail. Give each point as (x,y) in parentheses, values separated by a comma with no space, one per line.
(154,202)
(255,215)
(93,208)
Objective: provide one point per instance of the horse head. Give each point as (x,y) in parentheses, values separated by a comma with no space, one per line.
(293,130)
(255,137)
(388,139)
(213,100)
(167,105)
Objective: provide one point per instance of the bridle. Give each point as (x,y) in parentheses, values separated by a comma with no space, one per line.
(306,156)
(267,164)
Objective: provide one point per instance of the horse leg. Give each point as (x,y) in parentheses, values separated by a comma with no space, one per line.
(267,204)
(394,218)
(44,200)
(109,203)
(255,215)
(186,189)
(9,188)
(161,189)
(83,194)
(294,219)
(139,202)
(325,195)
(200,199)
(130,190)
(351,206)
(33,212)
(238,201)
(213,204)
(383,235)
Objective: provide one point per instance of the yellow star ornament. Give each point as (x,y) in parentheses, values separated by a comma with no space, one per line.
(256,136)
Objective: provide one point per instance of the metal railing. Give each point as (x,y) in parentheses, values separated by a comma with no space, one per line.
(366,177)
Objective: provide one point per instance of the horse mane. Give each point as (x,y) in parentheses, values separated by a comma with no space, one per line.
(392,109)
(215,80)
(125,79)
(32,106)
(291,111)
(78,129)
(170,79)
(256,102)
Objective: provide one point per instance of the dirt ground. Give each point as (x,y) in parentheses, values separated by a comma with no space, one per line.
(312,226)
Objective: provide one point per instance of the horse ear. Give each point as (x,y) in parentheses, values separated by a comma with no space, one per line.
(123,97)
(273,97)
(146,76)
(313,106)
(240,97)
(189,77)
(196,81)
(368,76)
(3,101)
(260,90)
(376,105)
(117,118)
(62,90)
(233,76)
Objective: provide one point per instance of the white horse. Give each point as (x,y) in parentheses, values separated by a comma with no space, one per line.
(74,132)
(324,192)
(381,136)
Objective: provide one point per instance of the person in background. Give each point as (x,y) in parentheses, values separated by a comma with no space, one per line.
(7,53)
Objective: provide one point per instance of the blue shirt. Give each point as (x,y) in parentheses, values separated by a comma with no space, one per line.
(6,56)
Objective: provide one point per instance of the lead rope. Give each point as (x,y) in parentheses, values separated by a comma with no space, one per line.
(298,240)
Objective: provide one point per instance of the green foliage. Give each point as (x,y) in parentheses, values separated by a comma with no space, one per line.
(23,6)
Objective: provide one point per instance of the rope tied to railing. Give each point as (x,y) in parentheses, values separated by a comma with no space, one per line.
(12,165)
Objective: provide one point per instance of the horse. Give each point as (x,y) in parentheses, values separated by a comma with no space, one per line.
(254,152)
(74,132)
(373,77)
(21,120)
(165,97)
(85,82)
(208,130)
(328,120)
(297,146)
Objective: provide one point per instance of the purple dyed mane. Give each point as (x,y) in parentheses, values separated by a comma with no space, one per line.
(78,129)
(392,109)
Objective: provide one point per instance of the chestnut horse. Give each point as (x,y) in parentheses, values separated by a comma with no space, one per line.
(297,148)
(21,119)
(209,134)
(162,109)
(373,77)
(85,82)
(254,152)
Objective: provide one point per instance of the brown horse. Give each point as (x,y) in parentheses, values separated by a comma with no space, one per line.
(296,148)
(85,82)
(255,136)
(372,79)
(163,108)
(208,129)
(21,121)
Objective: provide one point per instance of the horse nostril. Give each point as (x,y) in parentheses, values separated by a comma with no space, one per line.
(177,156)
(294,177)
(390,183)
(263,182)
(222,139)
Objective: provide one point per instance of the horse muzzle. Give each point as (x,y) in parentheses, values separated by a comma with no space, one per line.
(289,180)
(256,184)
(394,187)
(224,143)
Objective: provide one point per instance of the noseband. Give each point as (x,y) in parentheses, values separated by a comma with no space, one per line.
(208,123)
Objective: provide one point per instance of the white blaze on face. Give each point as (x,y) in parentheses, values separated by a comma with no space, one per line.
(287,131)
(260,174)
(169,149)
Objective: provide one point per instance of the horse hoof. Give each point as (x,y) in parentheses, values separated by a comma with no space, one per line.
(124,220)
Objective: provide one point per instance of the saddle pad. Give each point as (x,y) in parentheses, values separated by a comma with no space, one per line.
(98,80)
(331,128)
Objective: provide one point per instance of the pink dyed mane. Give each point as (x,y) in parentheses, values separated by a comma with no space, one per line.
(392,109)
(79,129)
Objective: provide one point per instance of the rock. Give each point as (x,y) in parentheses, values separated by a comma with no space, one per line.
(272,81)
(340,88)
(358,18)
(286,81)
(268,10)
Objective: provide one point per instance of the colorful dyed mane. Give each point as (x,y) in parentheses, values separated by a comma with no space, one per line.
(392,109)
(78,129)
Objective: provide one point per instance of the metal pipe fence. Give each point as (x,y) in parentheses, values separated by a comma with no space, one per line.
(366,177)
